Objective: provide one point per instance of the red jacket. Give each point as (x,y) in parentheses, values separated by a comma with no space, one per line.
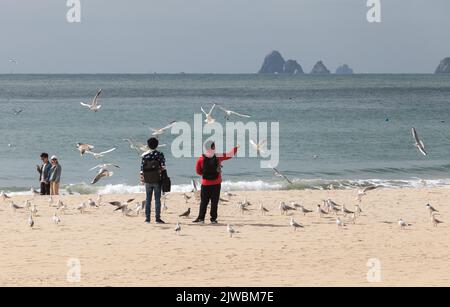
(223,157)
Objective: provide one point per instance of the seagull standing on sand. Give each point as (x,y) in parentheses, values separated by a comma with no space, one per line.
(82,207)
(56,219)
(304,210)
(339,223)
(285,208)
(160,131)
(418,142)
(434,220)
(15,207)
(98,155)
(94,106)
(30,221)
(178,228)
(345,211)
(92,203)
(4,196)
(82,148)
(402,224)
(228,113)
(320,211)
(263,209)
(209,119)
(230,230)
(294,224)
(34,210)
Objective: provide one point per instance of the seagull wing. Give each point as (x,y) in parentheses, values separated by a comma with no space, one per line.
(169,125)
(94,102)
(277,173)
(85,104)
(240,114)
(212,109)
(98,177)
(415,135)
(223,109)
(201,108)
(108,151)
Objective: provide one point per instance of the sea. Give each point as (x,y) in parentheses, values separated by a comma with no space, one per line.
(346,131)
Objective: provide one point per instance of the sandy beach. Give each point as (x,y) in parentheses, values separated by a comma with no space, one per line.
(115,250)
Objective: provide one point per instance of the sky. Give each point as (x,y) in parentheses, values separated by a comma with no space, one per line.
(221,36)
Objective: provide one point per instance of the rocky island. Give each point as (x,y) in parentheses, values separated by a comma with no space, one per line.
(274,63)
(344,70)
(444,67)
(320,69)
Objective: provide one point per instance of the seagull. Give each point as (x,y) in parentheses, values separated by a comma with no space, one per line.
(82,207)
(277,173)
(92,203)
(285,208)
(209,119)
(4,196)
(430,209)
(230,230)
(186,197)
(258,146)
(320,211)
(339,223)
(15,207)
(228,113)
(56,219)
(139,147)
(353,218)
(358,210)
(34,210)
(304,210)
(106,165)
(94,107)
(30,221)
(17,112)
(27,204)
(186,214)
(345,211)
(242,208)
(82,148)
(402,224)
(263,209)
(294,224)
(100,154)
(178,228)
(61,207)
(160,131)
(103,172)
(362,192)
(229,194)
(418,142)
(435,221)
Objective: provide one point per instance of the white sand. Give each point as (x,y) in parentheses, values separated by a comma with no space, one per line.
(114,250)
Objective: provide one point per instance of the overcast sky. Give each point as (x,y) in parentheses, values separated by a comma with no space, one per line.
(221,36)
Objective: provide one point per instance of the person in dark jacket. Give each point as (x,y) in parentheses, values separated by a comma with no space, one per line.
(209,166)
(44,174)
(153,164)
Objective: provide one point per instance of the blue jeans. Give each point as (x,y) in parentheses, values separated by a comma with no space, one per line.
(149,189)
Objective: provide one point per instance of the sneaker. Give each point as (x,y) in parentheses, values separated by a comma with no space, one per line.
(159,221)
(213,221)
(147,221)
(198,221)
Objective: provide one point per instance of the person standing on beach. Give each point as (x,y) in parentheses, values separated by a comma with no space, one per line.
(44,174)
(209,166)
(153,164)
(55,176)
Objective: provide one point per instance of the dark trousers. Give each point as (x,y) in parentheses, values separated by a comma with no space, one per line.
(149,190)
(45,188)
(209,193)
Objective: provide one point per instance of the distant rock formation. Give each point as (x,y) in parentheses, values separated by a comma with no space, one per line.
(444,67)
(274,63)
(320,68)
(344,70)
(292,67)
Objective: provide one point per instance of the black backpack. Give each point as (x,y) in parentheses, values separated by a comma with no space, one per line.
(211,168)
(152,172)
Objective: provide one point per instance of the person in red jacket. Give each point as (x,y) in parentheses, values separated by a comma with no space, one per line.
(209,166)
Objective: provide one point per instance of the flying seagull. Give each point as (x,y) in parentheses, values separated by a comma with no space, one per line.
(17,112)
(82,148)
(209,119)
(418,142)
(13,61)
(160,131)
(106,165)
(228,113)
(279,174)
(4,196)
(139,147)
(94,107)
(258,146)
(98,155)
(362,192)
(103,172)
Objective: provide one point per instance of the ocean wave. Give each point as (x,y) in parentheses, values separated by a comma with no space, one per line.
(257,185)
